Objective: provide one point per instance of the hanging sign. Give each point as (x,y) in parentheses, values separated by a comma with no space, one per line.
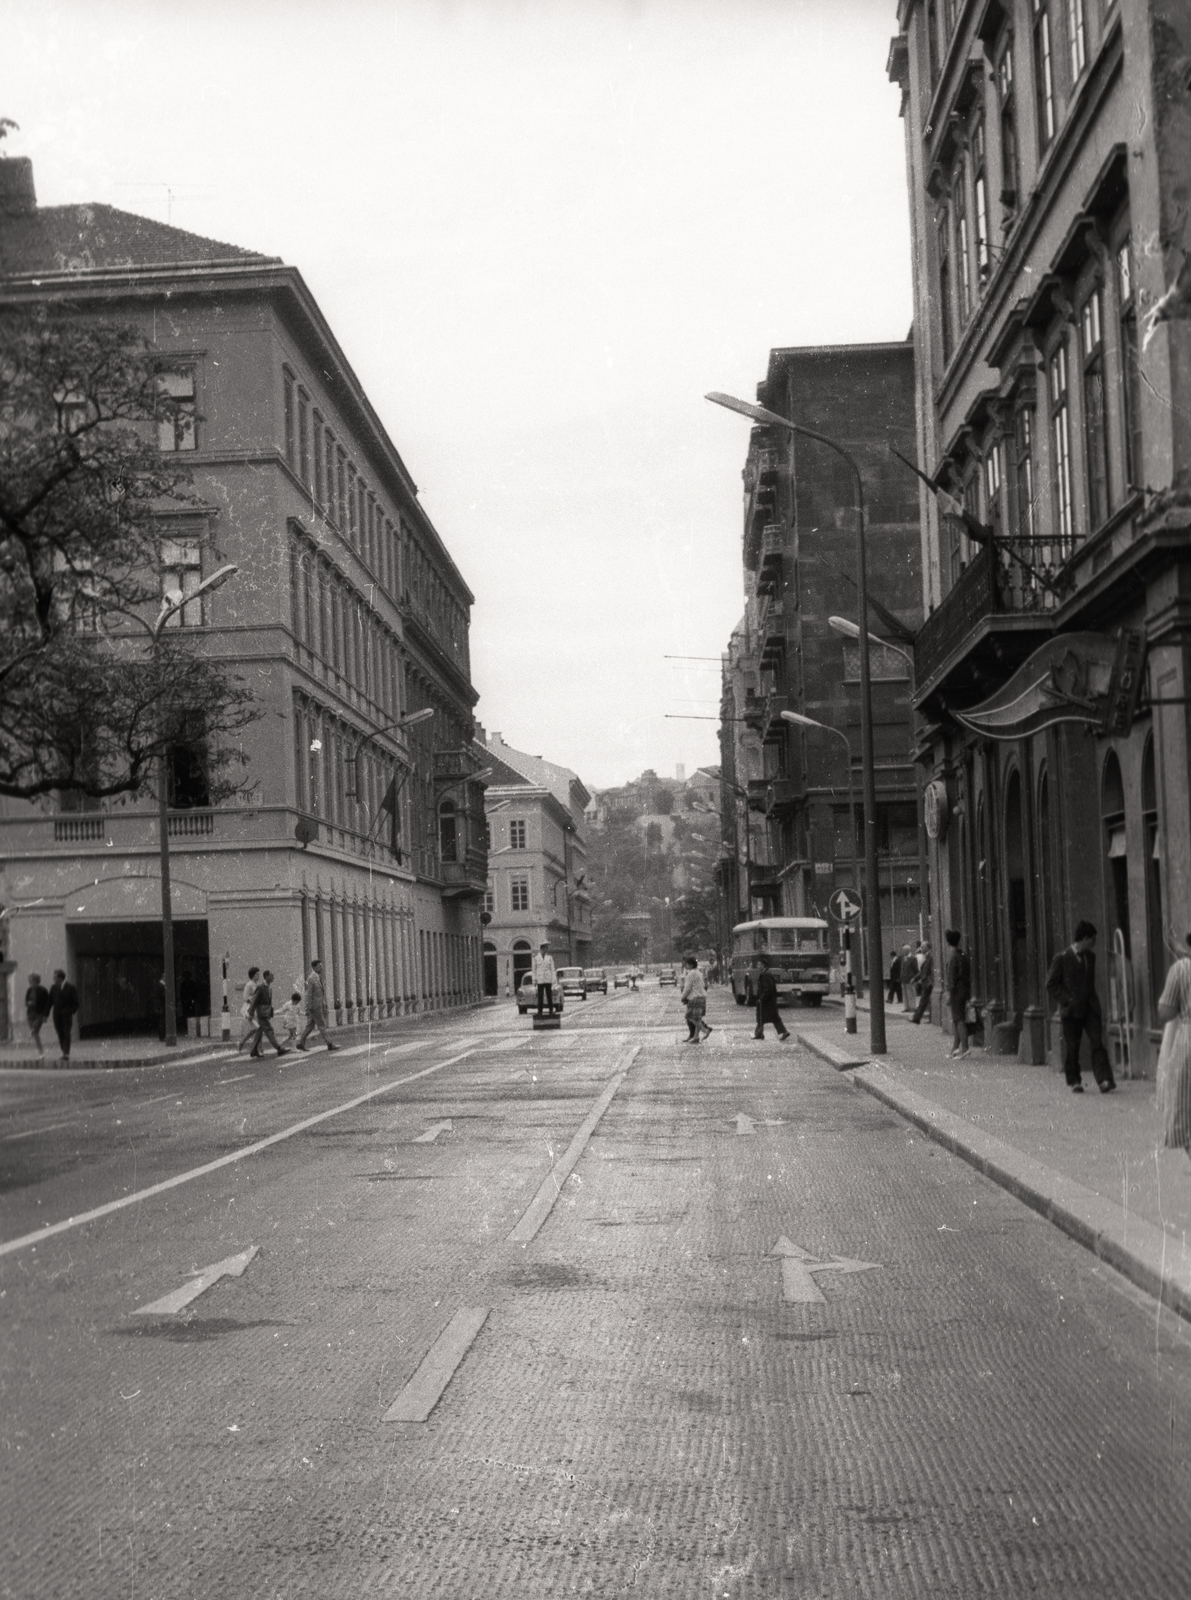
(1068,679)
(936,809)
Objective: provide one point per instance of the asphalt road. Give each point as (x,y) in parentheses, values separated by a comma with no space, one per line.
(588,1313)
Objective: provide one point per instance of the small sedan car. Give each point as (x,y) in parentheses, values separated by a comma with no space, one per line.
(668,975)
(596,978)
(572,981)
(622,980)
(527,995)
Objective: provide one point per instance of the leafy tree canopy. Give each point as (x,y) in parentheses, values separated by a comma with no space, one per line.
(87,700)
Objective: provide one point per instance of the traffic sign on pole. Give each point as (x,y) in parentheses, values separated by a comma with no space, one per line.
(845,905)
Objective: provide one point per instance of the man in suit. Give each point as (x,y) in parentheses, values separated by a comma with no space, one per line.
(262,1011)
(1071,984)
(64,1002)
(316,1007)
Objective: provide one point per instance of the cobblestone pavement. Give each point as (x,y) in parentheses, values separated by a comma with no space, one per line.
(739,1330)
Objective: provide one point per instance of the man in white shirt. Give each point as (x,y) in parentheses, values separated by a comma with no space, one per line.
(543,976)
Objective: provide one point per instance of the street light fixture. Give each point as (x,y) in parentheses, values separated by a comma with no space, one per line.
(875,960)
(171,603)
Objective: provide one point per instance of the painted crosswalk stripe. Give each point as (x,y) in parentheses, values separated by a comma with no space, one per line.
(439,1365)
(542,1203)
(27,1239)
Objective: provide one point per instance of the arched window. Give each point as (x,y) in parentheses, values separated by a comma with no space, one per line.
(448,832)
(1112,809)
(1158,957)
(522,961)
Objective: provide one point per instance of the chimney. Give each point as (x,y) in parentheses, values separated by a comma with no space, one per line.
(18,198)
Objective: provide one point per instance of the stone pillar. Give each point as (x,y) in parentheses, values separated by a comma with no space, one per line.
(336,969)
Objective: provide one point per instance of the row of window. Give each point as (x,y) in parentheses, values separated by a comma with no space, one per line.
(1091,394)
(385,544)
(338,625)
(342,779)
(518,883)
(963,223)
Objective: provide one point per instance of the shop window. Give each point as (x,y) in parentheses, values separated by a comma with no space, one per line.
(1044,80)
(1112,793)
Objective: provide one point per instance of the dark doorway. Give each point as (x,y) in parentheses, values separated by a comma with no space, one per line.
(522,962)
(1015,871)
(491,971)
(118,967)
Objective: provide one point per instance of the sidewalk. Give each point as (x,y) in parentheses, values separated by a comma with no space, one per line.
(1091,1163)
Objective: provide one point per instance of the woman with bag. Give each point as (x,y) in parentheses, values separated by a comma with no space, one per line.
(1174,1058)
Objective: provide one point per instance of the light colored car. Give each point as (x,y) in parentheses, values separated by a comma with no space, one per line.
(527,995)
(668,975)
(572,981)
(622,980)
(596,978)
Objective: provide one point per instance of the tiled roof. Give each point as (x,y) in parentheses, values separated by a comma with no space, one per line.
(532,769)
(96,238)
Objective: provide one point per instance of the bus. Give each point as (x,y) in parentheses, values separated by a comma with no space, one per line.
(796,951)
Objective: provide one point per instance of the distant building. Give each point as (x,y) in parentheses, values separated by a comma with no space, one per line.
(1048,149)
(537,864)
(787,823)
(347,614)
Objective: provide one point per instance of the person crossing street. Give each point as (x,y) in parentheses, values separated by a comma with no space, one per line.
(316,1008)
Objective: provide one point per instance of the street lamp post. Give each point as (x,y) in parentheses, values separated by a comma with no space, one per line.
(172,602)
(875,963)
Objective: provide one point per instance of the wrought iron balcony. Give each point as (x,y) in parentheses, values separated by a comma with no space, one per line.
(984,628)
(758,794)
(466,878)
(771,628)
(754,710)
(773,549)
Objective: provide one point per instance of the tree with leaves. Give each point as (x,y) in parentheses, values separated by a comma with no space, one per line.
(90,697)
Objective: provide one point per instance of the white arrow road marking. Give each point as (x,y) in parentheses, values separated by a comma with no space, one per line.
(798,1286)
(749,1124)
(439,1365)
(433,1132)
(170,1304)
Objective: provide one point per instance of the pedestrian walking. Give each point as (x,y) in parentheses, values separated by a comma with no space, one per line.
(1174,1058)
(262,1011)
(1071,983)
(37,1009)
(957,980)
(64,1002)
(250,988)
(908,974)
(316,1008)
(895,976)
(767,1010)
(543,976)
(289,1016)
(926,979)
(693,995)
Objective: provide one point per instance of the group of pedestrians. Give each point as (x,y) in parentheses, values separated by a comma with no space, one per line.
(258,1013)
(59,1002)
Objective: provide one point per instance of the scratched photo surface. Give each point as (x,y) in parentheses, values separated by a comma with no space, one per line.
(595,858)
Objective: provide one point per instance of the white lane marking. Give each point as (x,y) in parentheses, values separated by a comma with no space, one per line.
(798,1286)
(404,1049)
(439,1365)
(170,1304)
(542,1203)
(433,1132)
(171,1095)
(30,1132)
(223,1161)
(243,1078)
(750,1124)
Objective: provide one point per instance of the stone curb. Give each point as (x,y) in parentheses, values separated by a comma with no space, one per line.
(1134,1248)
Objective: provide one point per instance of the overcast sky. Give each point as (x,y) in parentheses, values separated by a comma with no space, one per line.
(541,230)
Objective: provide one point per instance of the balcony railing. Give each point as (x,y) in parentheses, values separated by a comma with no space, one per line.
(993,585)
(191,824)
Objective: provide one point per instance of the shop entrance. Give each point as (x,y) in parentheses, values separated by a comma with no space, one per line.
(118,968)
(491,976)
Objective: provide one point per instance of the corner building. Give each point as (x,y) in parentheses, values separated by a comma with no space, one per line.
(1048,146)
(786,801)
(352,840)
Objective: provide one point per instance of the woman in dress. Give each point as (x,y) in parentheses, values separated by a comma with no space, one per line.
(1174,1059)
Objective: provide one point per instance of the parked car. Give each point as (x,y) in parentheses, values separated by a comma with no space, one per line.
(596,978)
(571,981)
(527,995)
(622,980)
(668,975)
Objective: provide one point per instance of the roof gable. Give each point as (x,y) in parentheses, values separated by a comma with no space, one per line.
(90,238)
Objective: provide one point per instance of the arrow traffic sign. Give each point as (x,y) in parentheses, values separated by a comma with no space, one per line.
(749,1124)
(798,1285)
(845,905)
(170,1304)
(432,1132)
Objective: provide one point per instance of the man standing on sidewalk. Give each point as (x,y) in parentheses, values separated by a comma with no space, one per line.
(1071,983)
(926,979)
(543,976)
(316,1007)
(64,1002)
(957,979)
